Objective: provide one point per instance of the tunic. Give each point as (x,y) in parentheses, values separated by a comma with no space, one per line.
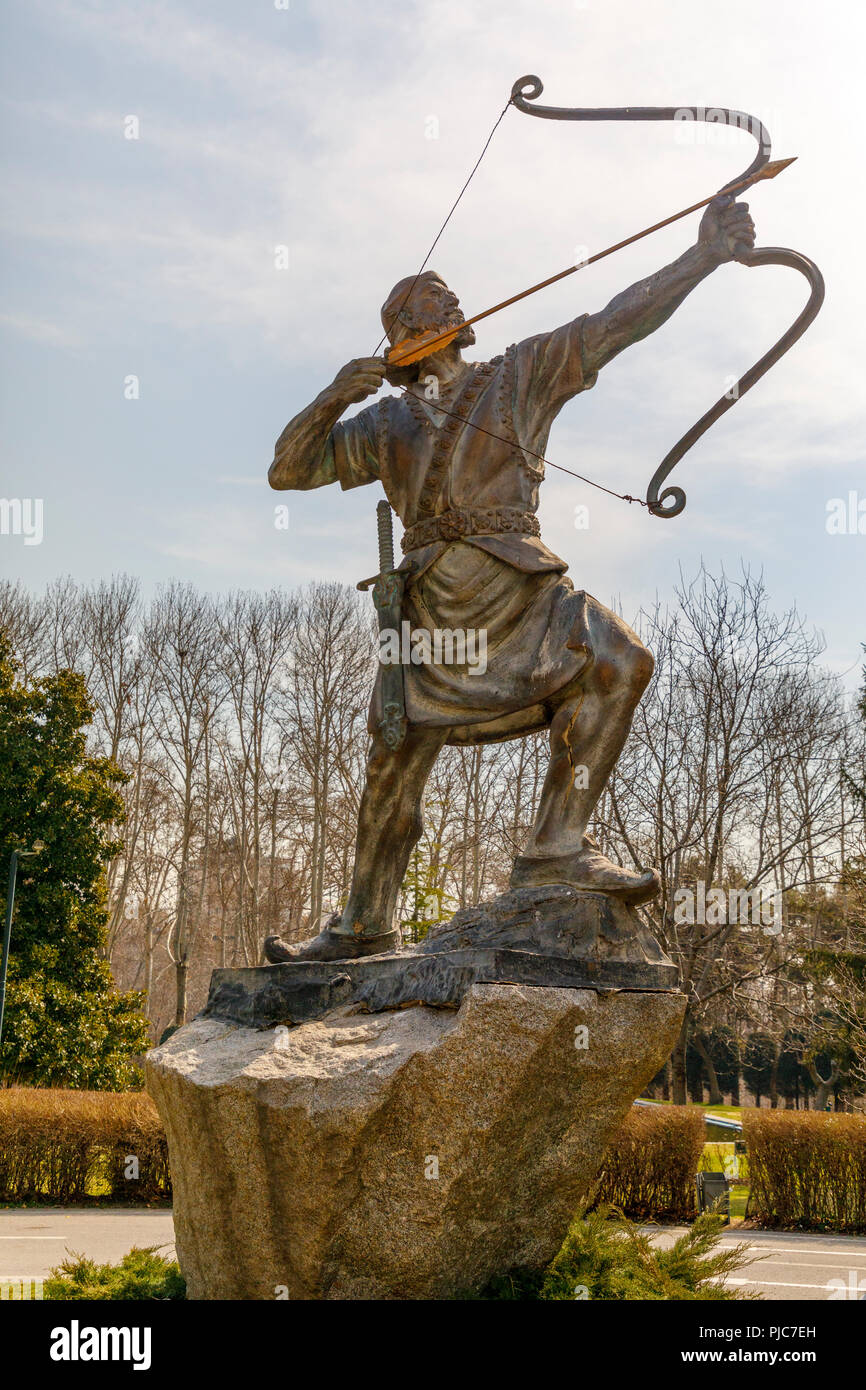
(510,585)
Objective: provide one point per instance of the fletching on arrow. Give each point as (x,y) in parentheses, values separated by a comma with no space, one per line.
(414,349)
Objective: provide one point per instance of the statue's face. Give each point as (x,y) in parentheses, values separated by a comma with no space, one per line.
(433,305)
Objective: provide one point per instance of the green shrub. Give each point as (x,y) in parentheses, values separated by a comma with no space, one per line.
(807,1169)
(650,1167)
(142,1274)
(67,1147)
(604,1257)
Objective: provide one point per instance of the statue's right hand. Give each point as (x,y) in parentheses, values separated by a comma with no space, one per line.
(361,377)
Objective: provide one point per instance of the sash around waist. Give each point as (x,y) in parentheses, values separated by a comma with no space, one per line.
(462,522)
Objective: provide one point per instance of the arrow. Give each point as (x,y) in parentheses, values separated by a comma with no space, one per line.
(415,349)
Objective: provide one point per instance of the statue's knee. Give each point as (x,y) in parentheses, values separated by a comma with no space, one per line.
(405,822)
(641,666)
(623,672)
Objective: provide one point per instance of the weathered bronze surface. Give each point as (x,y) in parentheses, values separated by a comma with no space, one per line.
(459,455)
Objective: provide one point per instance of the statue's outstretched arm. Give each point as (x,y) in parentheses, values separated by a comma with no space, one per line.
(726,231)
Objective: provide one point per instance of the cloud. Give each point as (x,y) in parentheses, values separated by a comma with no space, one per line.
(312,128)
(40,330)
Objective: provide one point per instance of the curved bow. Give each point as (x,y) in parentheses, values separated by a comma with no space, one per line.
(525,92)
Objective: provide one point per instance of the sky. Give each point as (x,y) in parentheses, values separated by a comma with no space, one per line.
(156,155)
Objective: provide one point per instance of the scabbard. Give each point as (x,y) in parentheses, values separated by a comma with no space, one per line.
(388,601)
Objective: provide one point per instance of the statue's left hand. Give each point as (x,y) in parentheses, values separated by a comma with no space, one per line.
(727,230)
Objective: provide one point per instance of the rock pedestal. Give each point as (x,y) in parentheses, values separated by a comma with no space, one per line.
(407,1153)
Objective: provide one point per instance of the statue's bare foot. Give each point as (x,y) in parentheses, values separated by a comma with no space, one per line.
(331,945)
(589,870)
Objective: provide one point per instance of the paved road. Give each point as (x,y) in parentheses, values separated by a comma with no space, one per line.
(35,1239)
(796,1267)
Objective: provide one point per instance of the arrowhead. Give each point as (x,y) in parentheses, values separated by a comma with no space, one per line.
(774,167)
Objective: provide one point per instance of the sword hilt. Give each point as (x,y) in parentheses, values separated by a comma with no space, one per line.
(384,526)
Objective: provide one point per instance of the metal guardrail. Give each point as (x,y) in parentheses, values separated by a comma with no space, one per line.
(735,1126)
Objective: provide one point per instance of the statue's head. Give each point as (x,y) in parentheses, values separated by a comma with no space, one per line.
(420,303)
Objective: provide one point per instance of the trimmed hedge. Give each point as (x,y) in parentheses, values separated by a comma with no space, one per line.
(807,1169)
(650,1168)
(64,1147)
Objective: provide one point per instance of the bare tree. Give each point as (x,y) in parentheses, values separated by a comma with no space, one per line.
(737,717)
(255,636)
(240,723)
(182,641)
(321,716)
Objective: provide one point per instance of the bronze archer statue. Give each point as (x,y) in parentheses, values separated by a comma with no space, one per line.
(465,485)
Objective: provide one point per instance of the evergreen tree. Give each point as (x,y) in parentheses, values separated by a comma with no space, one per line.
(759,1056)
(424,886)
(65,1023)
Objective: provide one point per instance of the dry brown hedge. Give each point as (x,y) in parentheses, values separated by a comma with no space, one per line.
(807,1169)
(62,1147)
(650,1167)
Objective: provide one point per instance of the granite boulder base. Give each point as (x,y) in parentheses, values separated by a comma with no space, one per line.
(410,1153)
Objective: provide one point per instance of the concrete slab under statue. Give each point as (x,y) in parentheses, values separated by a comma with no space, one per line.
(410,1125)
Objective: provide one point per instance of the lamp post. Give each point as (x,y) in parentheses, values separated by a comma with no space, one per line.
(7,930)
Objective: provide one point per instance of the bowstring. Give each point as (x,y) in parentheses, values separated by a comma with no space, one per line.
(435,240)
(491,434)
